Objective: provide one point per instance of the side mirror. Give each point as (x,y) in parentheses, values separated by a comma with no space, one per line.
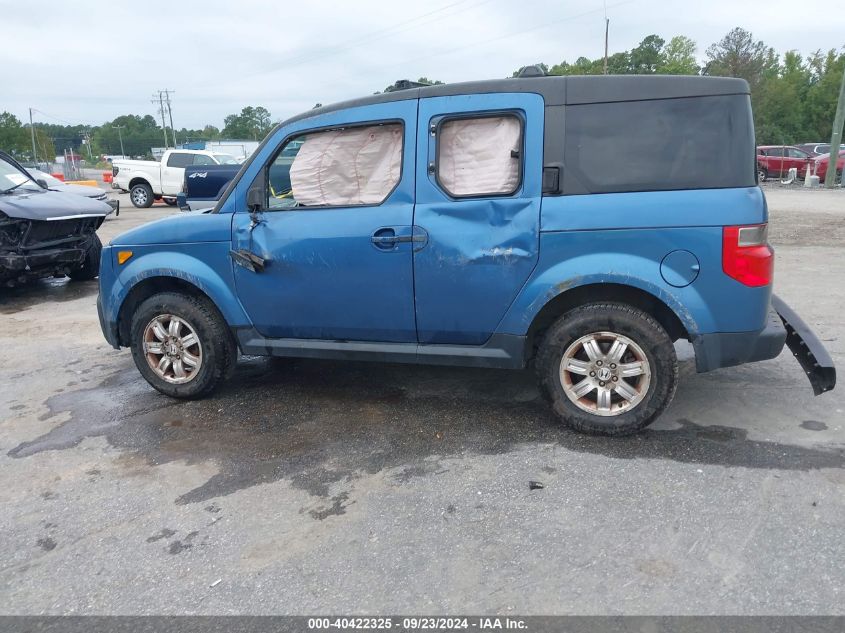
(42,182)
(254,199)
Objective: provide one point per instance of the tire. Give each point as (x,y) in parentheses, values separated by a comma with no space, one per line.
(171,202)
(214,351)
(762,174)
(649,350)
(141,196)
(90,268)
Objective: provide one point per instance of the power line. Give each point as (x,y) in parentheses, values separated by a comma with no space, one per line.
(50,116)
(373,35)
(515,33)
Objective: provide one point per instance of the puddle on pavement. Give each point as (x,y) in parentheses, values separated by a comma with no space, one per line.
(52,290)
(315,423)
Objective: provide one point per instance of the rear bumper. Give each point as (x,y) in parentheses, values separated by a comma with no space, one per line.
(783,327)
(807,349)
(726,349)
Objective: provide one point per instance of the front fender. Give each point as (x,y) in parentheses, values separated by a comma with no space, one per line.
(204,265)
(628,270)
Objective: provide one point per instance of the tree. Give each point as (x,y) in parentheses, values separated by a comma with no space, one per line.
(139,133)
(738,55)
(252,123)
(647,56)
(679,57)
(819,104)
(44,147)
(13,137)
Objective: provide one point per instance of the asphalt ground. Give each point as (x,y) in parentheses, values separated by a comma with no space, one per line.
(311,487)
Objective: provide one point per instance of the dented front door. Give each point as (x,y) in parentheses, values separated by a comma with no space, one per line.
(480,248)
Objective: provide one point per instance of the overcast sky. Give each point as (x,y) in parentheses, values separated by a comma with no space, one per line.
(89,62)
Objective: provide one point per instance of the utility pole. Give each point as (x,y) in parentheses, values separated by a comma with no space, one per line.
(88,144)
(170,113)
(32,131)
(836,139)
(606,29)
(160,100)
(120,136)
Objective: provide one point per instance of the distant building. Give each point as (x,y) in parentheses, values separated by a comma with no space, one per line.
(235,148)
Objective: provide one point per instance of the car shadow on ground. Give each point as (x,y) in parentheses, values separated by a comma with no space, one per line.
(58,289)
(314,423)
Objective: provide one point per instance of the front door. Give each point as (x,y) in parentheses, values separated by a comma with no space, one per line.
(335,229)
(478,199)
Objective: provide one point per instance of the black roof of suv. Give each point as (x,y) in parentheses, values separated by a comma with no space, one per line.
(569,90)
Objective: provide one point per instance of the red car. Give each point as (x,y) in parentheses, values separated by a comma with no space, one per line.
(822,164)
(775,161)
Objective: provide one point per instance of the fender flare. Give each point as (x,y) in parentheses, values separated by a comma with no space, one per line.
(547,287)
(173,265)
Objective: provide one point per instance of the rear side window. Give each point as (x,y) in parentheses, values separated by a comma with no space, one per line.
(179,159)
(479,156)
(202,159)
(686,143)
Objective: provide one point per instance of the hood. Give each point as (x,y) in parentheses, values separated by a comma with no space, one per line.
(49,205)
(79,190)
(190,227)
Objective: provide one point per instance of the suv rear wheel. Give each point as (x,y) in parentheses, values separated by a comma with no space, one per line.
(608,368)
(181,345)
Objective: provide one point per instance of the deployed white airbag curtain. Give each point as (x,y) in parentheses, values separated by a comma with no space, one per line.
(352,166)
(475,155)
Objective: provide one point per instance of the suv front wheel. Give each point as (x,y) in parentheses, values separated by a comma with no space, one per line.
(608,368)
(181,344)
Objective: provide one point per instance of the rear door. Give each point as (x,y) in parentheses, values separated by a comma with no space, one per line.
(479,172)
(173,172)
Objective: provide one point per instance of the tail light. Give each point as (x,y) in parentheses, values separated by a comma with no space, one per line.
(746,255)
(114,170)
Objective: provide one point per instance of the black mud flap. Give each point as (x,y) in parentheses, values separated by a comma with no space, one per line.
(807,348)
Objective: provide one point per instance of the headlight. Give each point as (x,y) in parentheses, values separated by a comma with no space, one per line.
(102,196)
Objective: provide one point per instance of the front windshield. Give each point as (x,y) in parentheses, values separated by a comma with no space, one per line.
(50,180)
(13,178)
(225,159)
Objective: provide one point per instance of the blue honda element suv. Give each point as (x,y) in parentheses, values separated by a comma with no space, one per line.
(577,225)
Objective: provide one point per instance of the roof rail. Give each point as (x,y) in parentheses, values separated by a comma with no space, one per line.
(531,71)
(405,84)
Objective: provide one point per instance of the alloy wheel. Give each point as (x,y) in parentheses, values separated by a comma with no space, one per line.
(605,373)
(172,348)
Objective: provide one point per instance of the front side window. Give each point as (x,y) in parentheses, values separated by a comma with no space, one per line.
(660,145)
(351,166)
(179,159)
(479,156)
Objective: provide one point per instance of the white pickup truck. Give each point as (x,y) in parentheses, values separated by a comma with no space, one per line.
(150,180)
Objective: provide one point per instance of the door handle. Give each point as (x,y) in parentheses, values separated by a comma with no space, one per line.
(386,238)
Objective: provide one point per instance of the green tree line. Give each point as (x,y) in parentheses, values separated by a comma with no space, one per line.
(137,133)
(793,97)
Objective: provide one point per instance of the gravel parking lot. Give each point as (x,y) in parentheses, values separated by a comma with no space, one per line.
(316,486)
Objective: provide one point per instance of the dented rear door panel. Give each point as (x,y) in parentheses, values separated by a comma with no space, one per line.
(480,250)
